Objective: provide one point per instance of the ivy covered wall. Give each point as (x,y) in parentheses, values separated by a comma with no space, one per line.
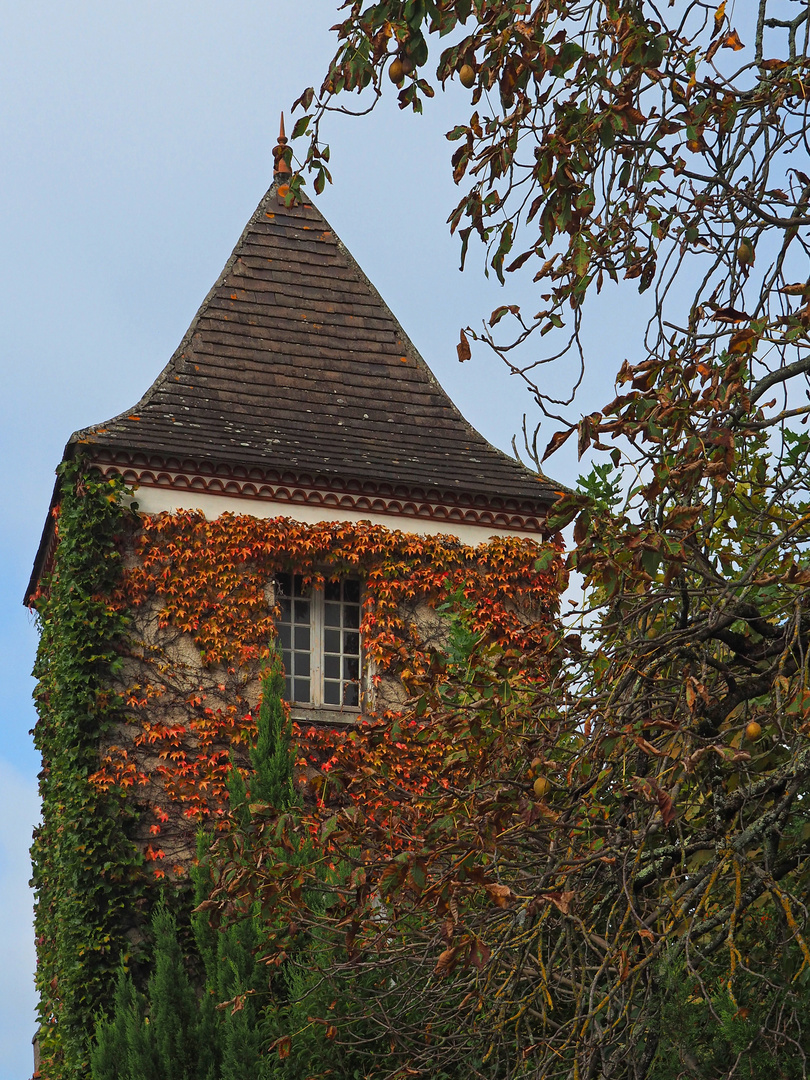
(86,872)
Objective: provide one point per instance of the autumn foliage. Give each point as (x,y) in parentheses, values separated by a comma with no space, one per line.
(205,585)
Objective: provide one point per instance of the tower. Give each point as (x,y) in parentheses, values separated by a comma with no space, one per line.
(295,469)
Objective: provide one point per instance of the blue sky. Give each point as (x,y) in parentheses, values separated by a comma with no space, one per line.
(137,141)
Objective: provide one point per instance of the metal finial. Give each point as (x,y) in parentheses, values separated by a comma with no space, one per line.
(280,166)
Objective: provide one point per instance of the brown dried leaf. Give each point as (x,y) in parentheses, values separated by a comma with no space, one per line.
(283,1045)
(691,696)
(731,315)
(499,313)
(547,265)
(499,894)
(648,747)
(446,961)
(682,518)
(463,348)
(699,689)
(666,807)
(479,953)
(715,45)
(744,341)
(556,441)
(563,901)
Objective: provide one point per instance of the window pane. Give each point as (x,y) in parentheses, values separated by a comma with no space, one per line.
(351,616)
(302,664)
(302,611)
(283,585)
(331,667)
(301,692)
(351,643)
(331,641)
(331,590)
(350,694)
(302,638)
(287,688)
(284,636)
(351,668)
(351,591)
(299,586)
(331,614)
(285,607)
(331,693)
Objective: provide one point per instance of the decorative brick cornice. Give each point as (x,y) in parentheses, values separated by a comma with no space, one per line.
(355,496)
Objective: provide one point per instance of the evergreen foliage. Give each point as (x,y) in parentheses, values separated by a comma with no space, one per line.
(272,758)
(163,1035)
(709,1033)
(172,1032)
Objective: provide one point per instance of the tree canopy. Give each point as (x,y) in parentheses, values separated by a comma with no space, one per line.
(617,885)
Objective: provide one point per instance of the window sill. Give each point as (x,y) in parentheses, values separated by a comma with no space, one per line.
(323,714)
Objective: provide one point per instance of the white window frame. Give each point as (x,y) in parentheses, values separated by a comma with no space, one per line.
(317,651)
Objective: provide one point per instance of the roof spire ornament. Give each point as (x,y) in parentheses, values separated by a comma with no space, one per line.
(281,167)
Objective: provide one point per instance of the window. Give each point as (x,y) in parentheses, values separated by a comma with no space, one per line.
(319,634)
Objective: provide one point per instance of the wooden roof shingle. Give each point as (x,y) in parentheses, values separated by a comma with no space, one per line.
(295,363)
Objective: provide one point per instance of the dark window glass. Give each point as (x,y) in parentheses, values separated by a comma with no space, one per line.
(351,616)
(331,590)
(351,591)
(331,641)
(351,668)
(331,667)
(331,693)
(294,637)
(350,694)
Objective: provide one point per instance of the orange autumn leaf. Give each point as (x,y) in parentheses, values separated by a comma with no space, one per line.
(732,41)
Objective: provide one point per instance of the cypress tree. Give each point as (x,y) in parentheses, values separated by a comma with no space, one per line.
(172,1033)
(272,757)
(109,1058)
(173,1011)
(250,1028)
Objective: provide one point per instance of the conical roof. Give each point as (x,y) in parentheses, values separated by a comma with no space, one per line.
(294,363)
